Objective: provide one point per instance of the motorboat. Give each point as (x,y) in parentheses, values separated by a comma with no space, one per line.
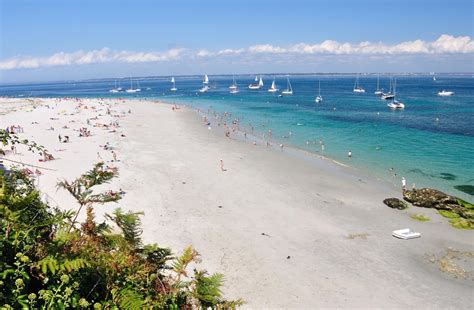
(445,93)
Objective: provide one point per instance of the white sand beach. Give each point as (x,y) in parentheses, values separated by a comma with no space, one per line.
(287,229)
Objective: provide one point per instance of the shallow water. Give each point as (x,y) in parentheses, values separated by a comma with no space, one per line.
(430,143)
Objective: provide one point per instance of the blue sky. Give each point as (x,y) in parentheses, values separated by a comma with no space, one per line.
(50,40)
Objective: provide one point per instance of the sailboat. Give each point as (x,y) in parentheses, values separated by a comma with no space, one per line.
(174,84)
(233,88)
(273,88)
(131,89)
(234,84)
(388,95)
(357,87)
(318,97)
(257,85)
(205,88)
(115,89)
(288,91)
(395,104)
(378,91)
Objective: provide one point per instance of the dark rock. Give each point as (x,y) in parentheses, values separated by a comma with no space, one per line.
(395,203)
(432,198)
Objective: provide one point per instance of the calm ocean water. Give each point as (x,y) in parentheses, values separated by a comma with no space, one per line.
(430,143)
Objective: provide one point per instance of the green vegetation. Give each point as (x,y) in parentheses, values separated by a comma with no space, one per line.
(49,261)
(449,214)
(456,220)
(465,204)
(462,223)
(419,217)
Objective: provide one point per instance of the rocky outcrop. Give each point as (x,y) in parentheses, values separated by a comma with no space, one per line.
(395,203)
(432,198)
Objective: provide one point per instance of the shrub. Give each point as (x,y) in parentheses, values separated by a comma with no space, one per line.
(50,261)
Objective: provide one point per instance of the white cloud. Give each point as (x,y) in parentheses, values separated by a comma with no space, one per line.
(266,48)
(445,44)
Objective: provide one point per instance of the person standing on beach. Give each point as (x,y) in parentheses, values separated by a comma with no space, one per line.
(114,155)
(404,184)
(60,138)
(222,166)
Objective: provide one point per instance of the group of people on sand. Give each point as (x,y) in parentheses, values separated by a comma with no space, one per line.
(84,132)
(14,129)
(64,139)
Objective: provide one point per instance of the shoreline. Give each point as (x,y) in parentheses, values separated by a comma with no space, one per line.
(286,232)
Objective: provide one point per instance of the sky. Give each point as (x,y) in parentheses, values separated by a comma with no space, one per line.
(43,40)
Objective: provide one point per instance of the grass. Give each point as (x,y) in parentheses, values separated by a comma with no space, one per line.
(419,217)
(465,204)
(449,214)
(360,236)
(462,223)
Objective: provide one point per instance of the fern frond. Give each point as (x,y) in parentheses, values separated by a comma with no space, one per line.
(129,223)
(129,299)
(181,263)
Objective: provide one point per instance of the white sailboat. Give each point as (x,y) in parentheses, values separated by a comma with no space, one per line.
(174,84)
(131,89)
(395,104)
(115,89)
(319,98)
(205,88)
(289,90)
(119,88)
(233,86)
(357,87)
(258,83)
(388,95)
(445,93)
(378,91)
(273,88)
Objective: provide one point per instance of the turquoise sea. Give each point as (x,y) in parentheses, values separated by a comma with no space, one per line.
(430,142)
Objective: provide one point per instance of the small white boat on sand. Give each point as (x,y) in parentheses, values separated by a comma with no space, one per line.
(406,234)
(445,93)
